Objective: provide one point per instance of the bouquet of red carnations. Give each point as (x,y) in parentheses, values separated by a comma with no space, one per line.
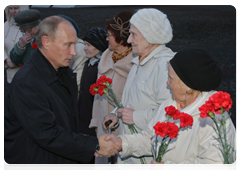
(218,103)
(101,87)
(169,130)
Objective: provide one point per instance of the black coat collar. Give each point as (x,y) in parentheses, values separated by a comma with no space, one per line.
(46,69)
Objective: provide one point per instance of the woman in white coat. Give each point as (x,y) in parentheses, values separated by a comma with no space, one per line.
(193,76)
(11,36)
(145,88)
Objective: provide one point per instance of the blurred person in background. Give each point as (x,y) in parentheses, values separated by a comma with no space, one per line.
(78,61)
(11,36)
(28,22)
(115,64)
(95,44)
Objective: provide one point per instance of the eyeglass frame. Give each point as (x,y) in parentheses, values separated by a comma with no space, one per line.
(109,35)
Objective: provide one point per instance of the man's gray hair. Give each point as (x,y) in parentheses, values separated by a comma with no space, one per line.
(48,27)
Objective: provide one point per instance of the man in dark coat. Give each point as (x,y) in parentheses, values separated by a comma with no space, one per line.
(40,121)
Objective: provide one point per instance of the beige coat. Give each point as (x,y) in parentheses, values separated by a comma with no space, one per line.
(11,36)
(118,72)
(194,145)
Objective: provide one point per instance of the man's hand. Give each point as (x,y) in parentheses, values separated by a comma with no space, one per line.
(97,155)
(26,39)
(10,64)
(156,165)
(127,115)
(107,147)
(112,117)
(115,139)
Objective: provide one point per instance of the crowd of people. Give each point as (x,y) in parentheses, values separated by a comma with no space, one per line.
(52,118)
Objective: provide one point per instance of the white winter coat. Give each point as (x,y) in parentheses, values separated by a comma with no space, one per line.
(193,145)
(145,90)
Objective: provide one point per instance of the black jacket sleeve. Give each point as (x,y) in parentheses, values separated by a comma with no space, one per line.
(33,111)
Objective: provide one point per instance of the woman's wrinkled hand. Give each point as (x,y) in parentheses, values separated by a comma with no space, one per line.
(26,39)
(111,117)
(127,115)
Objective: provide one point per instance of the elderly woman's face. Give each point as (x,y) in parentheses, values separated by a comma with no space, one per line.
(177,87)
(140,45)
(90,50)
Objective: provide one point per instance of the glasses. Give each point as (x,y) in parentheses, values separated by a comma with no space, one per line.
(109,35)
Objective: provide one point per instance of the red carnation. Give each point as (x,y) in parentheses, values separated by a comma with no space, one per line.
(103,79)
(221,99)
(164,129)
(205,109)
(172,111)
(172,130)
(214,104)
(92,89)
(161,129)
(186,120)
(100,90)
(34,45)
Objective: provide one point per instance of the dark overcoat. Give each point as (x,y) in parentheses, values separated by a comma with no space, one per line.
(85,101)
(40,122)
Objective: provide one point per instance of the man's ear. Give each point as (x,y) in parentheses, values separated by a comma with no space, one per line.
(46,42)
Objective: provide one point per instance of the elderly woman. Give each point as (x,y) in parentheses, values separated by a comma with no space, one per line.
(28,22)
(11,36)
(145,88)
(192,77)
(115,64)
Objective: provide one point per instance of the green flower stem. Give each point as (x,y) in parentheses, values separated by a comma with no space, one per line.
(219,130)
(155,150)
(111,98)
(162,149)
(225,133)
(224,145)
(108,96)
(142,163)
(114,95)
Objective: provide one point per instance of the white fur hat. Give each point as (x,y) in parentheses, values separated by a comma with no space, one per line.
(153,25)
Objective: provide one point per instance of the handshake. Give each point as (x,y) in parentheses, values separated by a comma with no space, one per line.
(110,145)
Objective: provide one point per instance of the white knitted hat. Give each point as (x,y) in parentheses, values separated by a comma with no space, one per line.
(153,25)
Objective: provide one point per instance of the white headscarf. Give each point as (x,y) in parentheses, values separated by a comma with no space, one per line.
(153,25)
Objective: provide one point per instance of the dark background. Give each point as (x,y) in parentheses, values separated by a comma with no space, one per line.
(209,27)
